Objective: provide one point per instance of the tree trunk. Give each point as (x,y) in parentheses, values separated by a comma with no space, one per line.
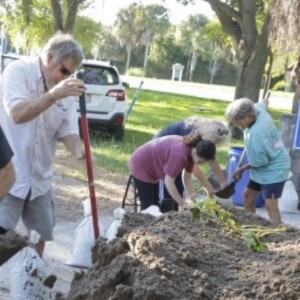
(251,47)
(250,72)
(296,100)
(214,67)
(193,66)
(128,48)
(188,68)
(72,6)
(269,75)
(146,57)
(71,15)
(56,9)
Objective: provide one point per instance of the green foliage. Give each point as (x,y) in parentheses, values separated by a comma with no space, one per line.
(29,27)
(213,31)
(29,33)
(127,27)
(279,86)
(163,54)
(211,210)
(87,32)
(139,72)
(107,47)
(190,37)
(154,20)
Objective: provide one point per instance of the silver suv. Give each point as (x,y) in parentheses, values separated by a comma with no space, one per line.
(105,97)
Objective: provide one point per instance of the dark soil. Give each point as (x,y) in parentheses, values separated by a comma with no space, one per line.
(10,244)
(173,257)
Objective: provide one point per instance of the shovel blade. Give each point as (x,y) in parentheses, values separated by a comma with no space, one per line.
(227,191)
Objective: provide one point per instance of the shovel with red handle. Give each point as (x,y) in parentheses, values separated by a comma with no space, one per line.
(88,159)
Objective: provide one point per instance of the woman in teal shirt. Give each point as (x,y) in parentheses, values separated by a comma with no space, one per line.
(269,160)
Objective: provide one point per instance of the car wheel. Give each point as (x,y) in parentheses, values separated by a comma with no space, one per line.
(118,133)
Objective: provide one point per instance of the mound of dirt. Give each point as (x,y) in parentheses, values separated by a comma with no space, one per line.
(173,257)
(10,244)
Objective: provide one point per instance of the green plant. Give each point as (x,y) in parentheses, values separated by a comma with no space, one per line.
(250,234)
(279,86)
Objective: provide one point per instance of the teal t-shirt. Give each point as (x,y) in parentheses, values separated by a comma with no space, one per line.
(269,159)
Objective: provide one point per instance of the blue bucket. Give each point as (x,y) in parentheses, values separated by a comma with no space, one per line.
(234,156)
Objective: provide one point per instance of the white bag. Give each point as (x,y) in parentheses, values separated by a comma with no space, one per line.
(289,200)
(152,210)
(85,239)
(27,274)
(113,228)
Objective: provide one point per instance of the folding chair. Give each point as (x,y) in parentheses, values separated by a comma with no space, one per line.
(130,197)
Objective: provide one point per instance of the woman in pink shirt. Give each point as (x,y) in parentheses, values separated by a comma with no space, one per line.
(164,158)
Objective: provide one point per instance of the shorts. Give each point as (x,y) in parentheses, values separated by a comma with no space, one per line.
(269,191)
(37,214)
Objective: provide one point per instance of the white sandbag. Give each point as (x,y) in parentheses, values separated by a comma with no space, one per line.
(289,200)
(113,228)
(28,272)
(81,254)
(152,210)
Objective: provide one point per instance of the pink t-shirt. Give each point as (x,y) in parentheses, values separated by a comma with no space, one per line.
(159,157)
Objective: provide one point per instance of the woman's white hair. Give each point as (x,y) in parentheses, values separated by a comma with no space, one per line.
(209,129)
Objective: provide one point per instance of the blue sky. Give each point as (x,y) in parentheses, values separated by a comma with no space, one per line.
(106,10)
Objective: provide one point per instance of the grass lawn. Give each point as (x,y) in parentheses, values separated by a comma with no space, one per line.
(151,112)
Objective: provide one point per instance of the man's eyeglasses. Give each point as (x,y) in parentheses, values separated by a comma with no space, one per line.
(64,71)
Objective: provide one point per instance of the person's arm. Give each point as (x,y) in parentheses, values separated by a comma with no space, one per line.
(7,179)
(239,172)
(216,169)
(26,111)
(74,145)
(188,185)
(7,172)
(205,183)
(172,189)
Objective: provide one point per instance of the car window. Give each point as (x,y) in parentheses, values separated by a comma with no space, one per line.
(99,75)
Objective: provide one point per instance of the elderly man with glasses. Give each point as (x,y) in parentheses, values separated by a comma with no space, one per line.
(37,109)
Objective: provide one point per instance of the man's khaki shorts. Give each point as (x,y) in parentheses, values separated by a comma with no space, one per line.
(37,214)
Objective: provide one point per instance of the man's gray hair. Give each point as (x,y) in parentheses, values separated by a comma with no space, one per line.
(239,109)
(63,46)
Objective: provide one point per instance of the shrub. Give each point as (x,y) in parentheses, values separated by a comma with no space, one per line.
(139,72)
(279,86)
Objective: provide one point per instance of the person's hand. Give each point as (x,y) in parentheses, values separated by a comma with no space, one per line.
(68,87)
(238,174)
(181,205)
(188,202)
(93,159)
(223,185)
